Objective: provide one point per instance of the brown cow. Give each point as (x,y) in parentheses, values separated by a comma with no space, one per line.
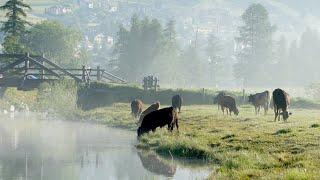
(153,107)
(281,102)
(136,108)
(162,117)
(177,102)
(229,103)
(217,99)
(260,100)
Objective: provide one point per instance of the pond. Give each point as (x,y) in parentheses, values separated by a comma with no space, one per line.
(33,149)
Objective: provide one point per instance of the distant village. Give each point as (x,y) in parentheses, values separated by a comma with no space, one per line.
(192,26)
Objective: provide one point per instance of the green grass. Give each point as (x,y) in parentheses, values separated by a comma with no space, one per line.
(243,147)
(246,146)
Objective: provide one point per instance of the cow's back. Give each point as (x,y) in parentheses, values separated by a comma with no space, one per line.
(280,99)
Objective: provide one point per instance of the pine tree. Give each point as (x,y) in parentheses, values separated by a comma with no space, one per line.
(15,26)
(255,41)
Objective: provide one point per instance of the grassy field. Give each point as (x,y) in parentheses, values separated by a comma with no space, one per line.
(243,147)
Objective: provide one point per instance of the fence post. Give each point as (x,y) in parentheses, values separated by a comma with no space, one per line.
(27,64)
(243,96)
(98,74)
(84,73)
(203,95)
(42,70)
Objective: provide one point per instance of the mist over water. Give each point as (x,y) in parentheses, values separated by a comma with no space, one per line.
(31,148)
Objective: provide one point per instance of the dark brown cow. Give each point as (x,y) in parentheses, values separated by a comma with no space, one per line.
(153,107)
(229,103)
(162,117)
(177,102)
(260,100)
(136,108)
(281,102)
(217,99)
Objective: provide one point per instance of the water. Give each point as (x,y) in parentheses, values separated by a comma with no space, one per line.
(59,150)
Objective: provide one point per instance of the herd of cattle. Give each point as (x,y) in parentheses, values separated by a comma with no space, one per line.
(154,117)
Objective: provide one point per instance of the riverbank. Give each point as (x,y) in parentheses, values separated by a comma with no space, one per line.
(246,146)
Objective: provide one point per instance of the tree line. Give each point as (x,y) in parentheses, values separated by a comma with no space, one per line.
(50,38)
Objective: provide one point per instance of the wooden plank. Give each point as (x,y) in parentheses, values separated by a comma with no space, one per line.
(11,65)
(40,64)
(60,68)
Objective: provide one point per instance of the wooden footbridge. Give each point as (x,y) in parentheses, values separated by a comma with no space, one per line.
(29,71)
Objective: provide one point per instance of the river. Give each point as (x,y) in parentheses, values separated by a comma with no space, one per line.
(37,149)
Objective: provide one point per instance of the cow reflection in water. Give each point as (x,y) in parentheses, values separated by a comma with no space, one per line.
(154,164)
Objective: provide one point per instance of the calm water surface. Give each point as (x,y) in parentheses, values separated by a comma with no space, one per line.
(58,150)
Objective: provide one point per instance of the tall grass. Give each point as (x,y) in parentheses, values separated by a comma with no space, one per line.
(59,98)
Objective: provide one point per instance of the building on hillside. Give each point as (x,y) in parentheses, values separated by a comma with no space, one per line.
(58,10)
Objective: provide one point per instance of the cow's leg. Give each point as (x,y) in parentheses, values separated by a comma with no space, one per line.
(222,109)
(265,109)
(275,114)
(177,124)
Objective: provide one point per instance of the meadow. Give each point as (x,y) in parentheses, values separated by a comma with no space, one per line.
(242,147)
(238,147)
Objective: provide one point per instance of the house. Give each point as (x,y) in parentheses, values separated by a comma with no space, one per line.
(58,10)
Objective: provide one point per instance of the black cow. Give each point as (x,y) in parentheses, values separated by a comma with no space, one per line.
(159,118)
(281,102)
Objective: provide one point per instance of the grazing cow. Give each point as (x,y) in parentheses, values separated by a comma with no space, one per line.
(136,108)
(260,100)
(281,102)
(162,117)
(217,99)
(153,107)
(229,103)
(177,102)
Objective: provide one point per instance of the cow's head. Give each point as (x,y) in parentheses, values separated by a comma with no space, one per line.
(215,100)
(250,98)
(285,115)
(236,111)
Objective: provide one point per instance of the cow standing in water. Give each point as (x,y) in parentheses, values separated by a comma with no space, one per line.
(281,102)
(136,108)
(229,103)
(150,109)
(260,100)
(177,102)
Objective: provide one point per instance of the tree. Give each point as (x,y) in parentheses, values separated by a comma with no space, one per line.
(15,26)
(137,48)
(166,65)
(255,40)
(56,42)
(213,51)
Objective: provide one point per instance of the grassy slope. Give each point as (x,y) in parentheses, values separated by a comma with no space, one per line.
(242,147)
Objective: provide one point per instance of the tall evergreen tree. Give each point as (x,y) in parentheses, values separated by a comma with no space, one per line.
(255,40)
(15,26)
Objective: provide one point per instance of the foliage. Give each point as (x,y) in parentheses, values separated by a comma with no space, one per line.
(137,47)
(255,42)
(56,42)
(15,26)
